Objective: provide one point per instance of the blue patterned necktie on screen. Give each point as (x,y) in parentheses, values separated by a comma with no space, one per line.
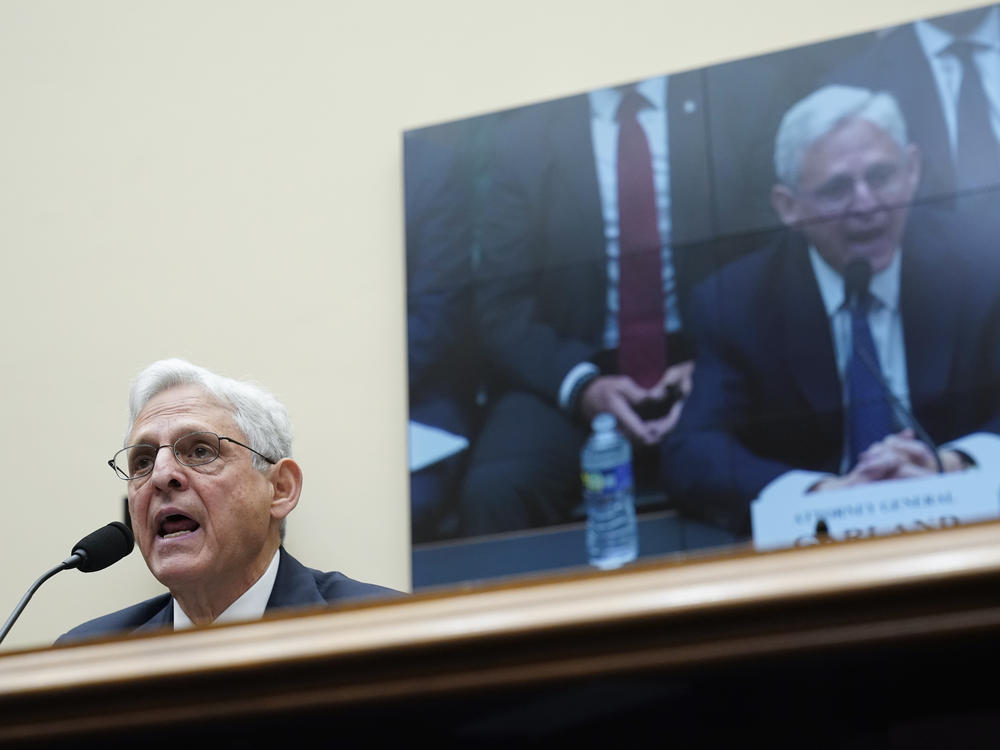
(869,413)
(642,342)
(977,154)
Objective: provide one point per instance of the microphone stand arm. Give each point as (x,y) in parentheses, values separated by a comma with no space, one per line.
(70,562)
(900,409)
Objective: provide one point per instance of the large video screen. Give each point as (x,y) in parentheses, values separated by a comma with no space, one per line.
(780,274)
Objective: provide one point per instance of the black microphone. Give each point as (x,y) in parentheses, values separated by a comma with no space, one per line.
(96,551)
(101,548)
(857,276)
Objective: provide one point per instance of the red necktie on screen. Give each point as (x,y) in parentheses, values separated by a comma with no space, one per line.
(642,343)
(977,156)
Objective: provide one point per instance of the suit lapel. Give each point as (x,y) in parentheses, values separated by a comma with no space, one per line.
(929,312)
(694,249)
(808,341)
(294,586)
(574,218)
(572,149)
(164,618)
(690,186)
(908,75)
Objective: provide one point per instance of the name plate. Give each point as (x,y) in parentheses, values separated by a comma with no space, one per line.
(877,509)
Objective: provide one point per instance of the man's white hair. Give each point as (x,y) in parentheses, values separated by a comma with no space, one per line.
(262,419)
(821,113)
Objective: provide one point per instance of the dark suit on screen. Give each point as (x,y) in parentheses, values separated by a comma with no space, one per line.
(542,290)
(898,64)
(442,359)
(296,586)
(543,276)
(767,396)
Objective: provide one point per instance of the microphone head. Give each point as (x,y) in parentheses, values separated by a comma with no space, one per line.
(104,547)
(857,276)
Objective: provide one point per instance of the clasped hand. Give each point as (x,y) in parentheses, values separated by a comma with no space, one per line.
(620,395)
(897,456)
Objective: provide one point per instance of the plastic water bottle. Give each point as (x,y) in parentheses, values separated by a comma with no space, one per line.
(609,495)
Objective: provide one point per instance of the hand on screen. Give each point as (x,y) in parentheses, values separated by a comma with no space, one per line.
(645,415)
(677,378)
(618,395)
(673,388)
(898,456)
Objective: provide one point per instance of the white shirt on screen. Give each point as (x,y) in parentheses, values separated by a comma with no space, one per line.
(604,135)
(947,69)
(886,324)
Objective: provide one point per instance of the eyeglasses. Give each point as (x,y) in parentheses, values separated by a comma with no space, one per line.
(193,449)
(883,180)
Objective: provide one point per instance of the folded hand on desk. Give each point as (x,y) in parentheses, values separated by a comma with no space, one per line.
(898,456)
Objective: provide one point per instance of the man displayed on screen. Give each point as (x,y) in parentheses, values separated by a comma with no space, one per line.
(593,208)
(210,478)
(833,356)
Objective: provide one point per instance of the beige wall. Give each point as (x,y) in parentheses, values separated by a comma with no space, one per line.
(222,181)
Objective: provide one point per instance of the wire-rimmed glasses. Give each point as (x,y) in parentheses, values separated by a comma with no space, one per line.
(193,449)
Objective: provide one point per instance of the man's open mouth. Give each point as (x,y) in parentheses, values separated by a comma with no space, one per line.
(176,525)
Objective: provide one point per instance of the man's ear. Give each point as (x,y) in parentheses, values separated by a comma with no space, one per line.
(786,204)
(286,484)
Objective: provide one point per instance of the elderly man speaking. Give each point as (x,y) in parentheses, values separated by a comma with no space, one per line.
(860,347)
(210,484)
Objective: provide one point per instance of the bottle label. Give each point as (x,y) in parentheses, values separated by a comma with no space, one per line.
(610,480)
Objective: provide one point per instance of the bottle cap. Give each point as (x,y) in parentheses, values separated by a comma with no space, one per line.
(604,422)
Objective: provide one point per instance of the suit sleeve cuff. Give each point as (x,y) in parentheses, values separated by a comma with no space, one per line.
(572,384)
(982,448)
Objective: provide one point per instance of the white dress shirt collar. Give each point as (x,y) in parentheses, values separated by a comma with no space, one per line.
(250,606)
(604,102)
(884,285)
(934,40)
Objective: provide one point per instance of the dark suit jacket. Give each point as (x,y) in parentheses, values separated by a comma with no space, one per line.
(443,361)
(896,63)
(542,274)
(767,397)
(295,586)
(439,320)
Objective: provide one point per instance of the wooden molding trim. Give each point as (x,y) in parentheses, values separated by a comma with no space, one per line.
(652,615)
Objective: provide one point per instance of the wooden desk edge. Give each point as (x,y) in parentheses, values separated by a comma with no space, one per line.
(654,614)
